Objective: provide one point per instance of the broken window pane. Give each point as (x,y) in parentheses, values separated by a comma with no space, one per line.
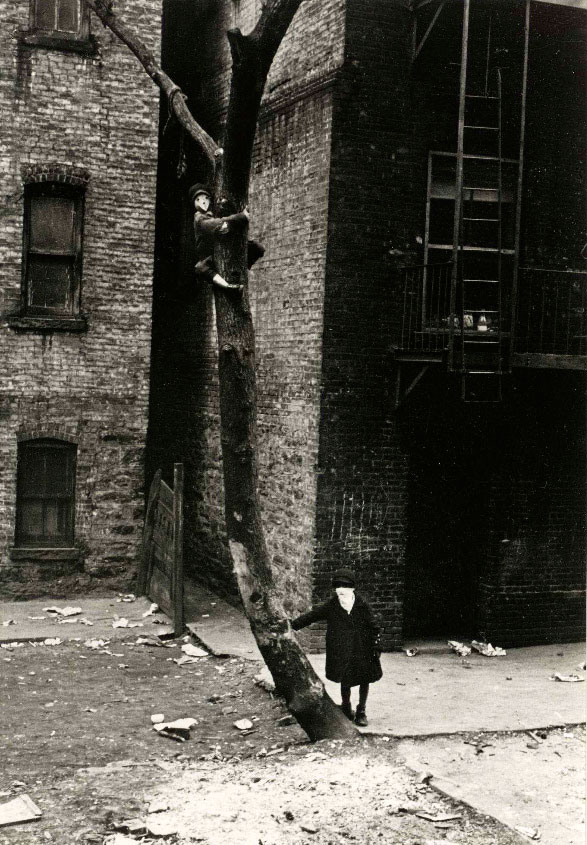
(52,220)
(45,14)
(50,281)
(67,16)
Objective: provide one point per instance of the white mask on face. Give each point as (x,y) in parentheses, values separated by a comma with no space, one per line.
(346,597)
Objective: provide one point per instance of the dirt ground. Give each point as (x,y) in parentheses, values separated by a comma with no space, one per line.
(77,738)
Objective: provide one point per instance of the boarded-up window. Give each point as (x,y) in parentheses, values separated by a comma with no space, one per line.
(53,249)
(59,16)
(45,503)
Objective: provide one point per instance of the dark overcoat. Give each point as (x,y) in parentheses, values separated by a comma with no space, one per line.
(351,641)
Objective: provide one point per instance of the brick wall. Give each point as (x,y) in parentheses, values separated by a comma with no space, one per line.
(288,203)
(374,210)
(414,501)
(95,112)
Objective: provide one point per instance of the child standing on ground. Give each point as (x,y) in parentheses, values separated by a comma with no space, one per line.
(352,642)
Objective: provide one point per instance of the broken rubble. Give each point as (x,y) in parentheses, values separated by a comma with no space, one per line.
(194,651)
(243,725)
(460,648)
(566,679)
(487,650)
(152,609)
(122,622)
(63,611)
(18,810)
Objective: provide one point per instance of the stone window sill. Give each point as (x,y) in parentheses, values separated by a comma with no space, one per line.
(86,46)
(24,322)
(59,553)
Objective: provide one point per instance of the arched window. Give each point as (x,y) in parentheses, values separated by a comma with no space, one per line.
(45,499)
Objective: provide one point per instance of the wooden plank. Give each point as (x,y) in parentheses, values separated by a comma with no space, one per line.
(145,560)
(177,580)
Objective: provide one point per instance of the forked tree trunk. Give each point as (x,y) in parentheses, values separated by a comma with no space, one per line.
(252,56)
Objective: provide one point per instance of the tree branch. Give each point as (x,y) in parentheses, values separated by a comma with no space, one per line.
(252,56)
(272,25)
(175,98)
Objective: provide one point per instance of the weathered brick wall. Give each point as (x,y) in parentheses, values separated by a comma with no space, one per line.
(533,585)
(97,112)
(374,211)
(288,203)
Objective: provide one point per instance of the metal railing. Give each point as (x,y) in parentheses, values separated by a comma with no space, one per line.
(552,312)
(426,304)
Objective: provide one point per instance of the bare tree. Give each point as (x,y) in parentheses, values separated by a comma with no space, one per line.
(252,56)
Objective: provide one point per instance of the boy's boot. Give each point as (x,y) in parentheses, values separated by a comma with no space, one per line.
(361,717)
(345,694)
(347,710)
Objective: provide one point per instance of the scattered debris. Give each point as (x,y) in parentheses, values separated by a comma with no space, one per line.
(153,609)
(37,618)
(308,829)
(155,642)
(158,805)
(182,661)
(530,832)
(85,621)
(122,622)
(95,644)
(63,611)
(178,730)
(11,645)
(411,652)
(265,681)
(119,839)
(52,641)
(487,650)
(8,622)
(157,717)
(285,721)
(566,679)
(127,597)
(18,810)
(161,826)
(134,826)
(581,667)
(442,817)
(536,737)
(243,724)
(460,648)
(194,651)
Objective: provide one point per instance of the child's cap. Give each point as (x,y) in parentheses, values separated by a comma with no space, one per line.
(343,578)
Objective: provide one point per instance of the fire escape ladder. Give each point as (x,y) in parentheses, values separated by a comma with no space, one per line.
(480,270)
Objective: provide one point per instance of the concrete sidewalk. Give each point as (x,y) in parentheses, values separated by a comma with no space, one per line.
(30,621)
(435,692)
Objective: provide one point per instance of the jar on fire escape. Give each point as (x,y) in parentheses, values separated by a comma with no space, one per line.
(482,322)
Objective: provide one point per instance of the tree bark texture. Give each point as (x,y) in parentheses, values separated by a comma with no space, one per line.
(252,56)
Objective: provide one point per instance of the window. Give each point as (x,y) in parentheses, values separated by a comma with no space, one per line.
(45,499)
(52,258)
(64,18)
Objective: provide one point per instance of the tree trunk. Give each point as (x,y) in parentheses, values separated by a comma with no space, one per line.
(252,56)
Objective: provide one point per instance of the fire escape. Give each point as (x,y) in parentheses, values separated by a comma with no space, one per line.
(461,306)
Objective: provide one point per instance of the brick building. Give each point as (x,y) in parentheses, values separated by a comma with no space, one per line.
(419,313)
(78,159)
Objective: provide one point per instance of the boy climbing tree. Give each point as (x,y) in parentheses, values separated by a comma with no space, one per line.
(229,167)
(207,227)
